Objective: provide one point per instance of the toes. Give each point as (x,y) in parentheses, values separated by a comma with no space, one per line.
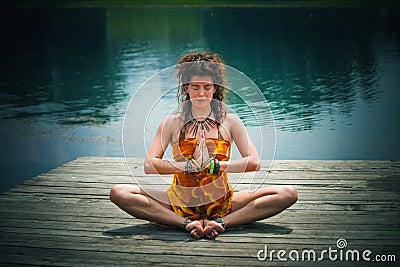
(219,227)
(213,229)
(192,225)
(212,235)
(195,228)
(194,233)
(209,232)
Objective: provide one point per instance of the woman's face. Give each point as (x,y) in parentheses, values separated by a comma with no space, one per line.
(201,90)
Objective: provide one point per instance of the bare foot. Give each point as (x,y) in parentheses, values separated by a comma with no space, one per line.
(196,229)
(212,229)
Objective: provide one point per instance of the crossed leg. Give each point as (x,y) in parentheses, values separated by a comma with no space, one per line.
(254,206)
(151,205)
(154,205)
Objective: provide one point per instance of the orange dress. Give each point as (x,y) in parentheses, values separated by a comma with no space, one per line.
(201,196)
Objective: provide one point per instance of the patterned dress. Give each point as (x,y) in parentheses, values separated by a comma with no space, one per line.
(201,196)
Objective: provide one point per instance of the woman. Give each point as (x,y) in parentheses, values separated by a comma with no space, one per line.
(200,198)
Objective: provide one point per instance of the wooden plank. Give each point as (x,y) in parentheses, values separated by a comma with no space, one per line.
(325,206)
(105,224)
(195,250)
(363,180)
(183,245)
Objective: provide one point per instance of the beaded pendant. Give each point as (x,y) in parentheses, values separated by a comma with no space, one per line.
(207,124)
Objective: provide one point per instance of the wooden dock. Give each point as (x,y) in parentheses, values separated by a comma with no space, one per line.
(64,218)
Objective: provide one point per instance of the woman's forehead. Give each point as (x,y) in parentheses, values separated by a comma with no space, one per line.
(201,80)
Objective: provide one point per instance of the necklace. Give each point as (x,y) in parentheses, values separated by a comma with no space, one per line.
(207,124)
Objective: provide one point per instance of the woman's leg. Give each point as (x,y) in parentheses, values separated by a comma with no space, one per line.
(264,203)
(249,207)
(150,205)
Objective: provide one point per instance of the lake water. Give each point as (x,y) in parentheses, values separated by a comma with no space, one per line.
(331,77)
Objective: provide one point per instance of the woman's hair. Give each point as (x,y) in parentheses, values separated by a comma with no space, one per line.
(201,64)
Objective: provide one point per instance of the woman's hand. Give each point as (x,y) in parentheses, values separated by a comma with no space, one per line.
(200,154)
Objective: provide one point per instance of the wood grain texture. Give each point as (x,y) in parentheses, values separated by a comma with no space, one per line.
(64,217)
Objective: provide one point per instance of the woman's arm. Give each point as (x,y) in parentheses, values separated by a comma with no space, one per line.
(250,160)
(154,164)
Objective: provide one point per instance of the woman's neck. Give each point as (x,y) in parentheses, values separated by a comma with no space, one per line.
(201,113)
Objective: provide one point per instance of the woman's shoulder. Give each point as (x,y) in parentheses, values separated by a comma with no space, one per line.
(172,121)
(169,120)
(172,124)
(173,118)
(231,118)
(232,124)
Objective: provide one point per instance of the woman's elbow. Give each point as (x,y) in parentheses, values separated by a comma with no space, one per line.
(257,165)
(254,165)
(148,167)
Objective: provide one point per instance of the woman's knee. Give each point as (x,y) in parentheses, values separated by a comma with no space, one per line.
(289,194)
(119,193)
(116,193)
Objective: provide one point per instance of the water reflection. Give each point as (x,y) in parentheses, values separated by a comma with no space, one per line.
(60,70)
(309,63)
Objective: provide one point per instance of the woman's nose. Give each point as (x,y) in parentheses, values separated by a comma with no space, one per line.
(201,92)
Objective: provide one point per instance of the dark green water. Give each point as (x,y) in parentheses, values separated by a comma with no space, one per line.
(331,77)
